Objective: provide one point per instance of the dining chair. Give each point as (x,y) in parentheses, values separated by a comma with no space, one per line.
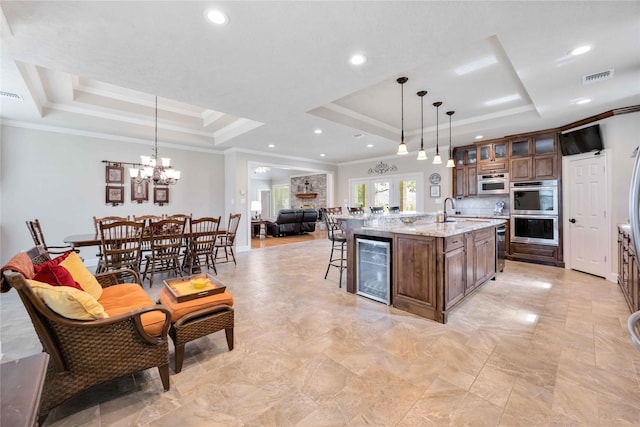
(166,242)
(35,229)
(376,209)
(122,244)
(201,247)
(226,239)
(96,224)
(357,210)
(148,220)
(394,209)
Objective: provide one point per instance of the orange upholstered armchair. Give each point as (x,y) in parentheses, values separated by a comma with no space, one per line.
(89,343)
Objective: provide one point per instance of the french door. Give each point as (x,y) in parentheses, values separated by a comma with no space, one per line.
(404,191)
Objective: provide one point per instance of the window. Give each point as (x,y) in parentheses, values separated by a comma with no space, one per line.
(359,194)
(399,190)
(280,199)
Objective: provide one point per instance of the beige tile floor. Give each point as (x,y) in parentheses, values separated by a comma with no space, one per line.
(539,346)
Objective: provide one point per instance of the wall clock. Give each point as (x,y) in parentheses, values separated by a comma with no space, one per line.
(435,178)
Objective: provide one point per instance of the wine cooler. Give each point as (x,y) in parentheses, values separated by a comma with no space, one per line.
(373,269)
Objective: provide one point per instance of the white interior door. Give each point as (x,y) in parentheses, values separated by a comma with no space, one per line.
(587,216)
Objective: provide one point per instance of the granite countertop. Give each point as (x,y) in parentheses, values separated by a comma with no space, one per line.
(439,229)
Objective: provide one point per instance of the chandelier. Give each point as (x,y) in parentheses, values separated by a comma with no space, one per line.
(262,169)
(159,171)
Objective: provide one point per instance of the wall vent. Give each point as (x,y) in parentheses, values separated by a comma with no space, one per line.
(597,77)
(11,95)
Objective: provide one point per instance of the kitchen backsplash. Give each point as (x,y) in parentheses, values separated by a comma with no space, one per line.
(484,205)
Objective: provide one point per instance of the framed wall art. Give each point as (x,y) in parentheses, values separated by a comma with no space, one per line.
(114,195)
(139,191)
(160,195)
(435,191)
(114,174)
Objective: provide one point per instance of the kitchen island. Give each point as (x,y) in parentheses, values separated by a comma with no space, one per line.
(434,266)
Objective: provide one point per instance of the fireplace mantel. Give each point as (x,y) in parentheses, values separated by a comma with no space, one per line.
(306,195)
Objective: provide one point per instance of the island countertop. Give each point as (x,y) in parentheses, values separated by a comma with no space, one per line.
(437,229)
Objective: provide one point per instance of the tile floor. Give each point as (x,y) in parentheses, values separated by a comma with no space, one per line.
(539,346)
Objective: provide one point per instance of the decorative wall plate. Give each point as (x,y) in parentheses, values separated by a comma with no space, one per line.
(435,178)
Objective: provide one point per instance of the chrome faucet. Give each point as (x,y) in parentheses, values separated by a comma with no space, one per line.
(453,206)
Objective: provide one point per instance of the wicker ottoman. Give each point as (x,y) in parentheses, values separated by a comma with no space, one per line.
(197,318)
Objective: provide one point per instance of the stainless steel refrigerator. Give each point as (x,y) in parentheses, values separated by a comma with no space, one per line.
(634,222)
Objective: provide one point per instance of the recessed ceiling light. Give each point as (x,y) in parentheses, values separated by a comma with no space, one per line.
(479,136)
(580,50)
(271,145)
(317,131)
(357,59)
(582,101)
(217,17)
(322,155)
(369,145)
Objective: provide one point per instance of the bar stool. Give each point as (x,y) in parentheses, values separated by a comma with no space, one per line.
(338,240)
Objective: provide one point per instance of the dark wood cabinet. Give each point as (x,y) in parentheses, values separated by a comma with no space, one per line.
(433,274)
(628,269)
(455,269)
(465,174)
(484,255)
(414,271)
(493,156)
(534,157)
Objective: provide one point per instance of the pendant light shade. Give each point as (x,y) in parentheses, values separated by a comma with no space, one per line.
(450,163)
(402,148)
(422,155)
(436,159)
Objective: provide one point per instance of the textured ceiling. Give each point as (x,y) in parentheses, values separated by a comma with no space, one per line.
(279,70)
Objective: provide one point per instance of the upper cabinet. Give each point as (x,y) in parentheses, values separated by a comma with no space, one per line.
(465,174)
(534,157)
(494,156)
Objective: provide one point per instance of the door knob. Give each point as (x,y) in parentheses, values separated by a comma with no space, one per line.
(572,220)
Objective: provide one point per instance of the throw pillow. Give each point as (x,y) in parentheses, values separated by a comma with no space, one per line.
(55,275)
(82,275)
(68,302)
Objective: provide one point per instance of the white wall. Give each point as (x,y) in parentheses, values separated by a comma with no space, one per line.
(620,136)
(404,165)
(59,179)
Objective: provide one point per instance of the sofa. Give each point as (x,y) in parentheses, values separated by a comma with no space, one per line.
(293,221)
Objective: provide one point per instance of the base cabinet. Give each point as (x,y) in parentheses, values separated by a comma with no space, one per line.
(433,274)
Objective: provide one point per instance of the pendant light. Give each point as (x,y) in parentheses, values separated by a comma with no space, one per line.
(436,159)
(421,154)
(450,163)
(402,148)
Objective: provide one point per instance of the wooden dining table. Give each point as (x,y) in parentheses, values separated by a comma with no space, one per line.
(93,239)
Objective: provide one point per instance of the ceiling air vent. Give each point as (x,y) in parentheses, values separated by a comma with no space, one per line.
(11,95)
(597,77)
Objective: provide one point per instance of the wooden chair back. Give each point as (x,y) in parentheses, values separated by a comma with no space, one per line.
(333,211)
(167,238)
(394,209)
(226,239)
(122,244)
(35,230)
(202,237)
(107,220)
(376,209)
(356,210)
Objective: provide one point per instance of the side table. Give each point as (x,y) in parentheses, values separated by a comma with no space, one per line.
(22,381)
(261,226)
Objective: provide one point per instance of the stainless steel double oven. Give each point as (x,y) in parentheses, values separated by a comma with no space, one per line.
(534,212)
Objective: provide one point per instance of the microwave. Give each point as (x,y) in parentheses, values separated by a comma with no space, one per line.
(534,197)
(493,183)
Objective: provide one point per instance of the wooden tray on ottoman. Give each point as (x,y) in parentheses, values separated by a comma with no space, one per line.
(182,289)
